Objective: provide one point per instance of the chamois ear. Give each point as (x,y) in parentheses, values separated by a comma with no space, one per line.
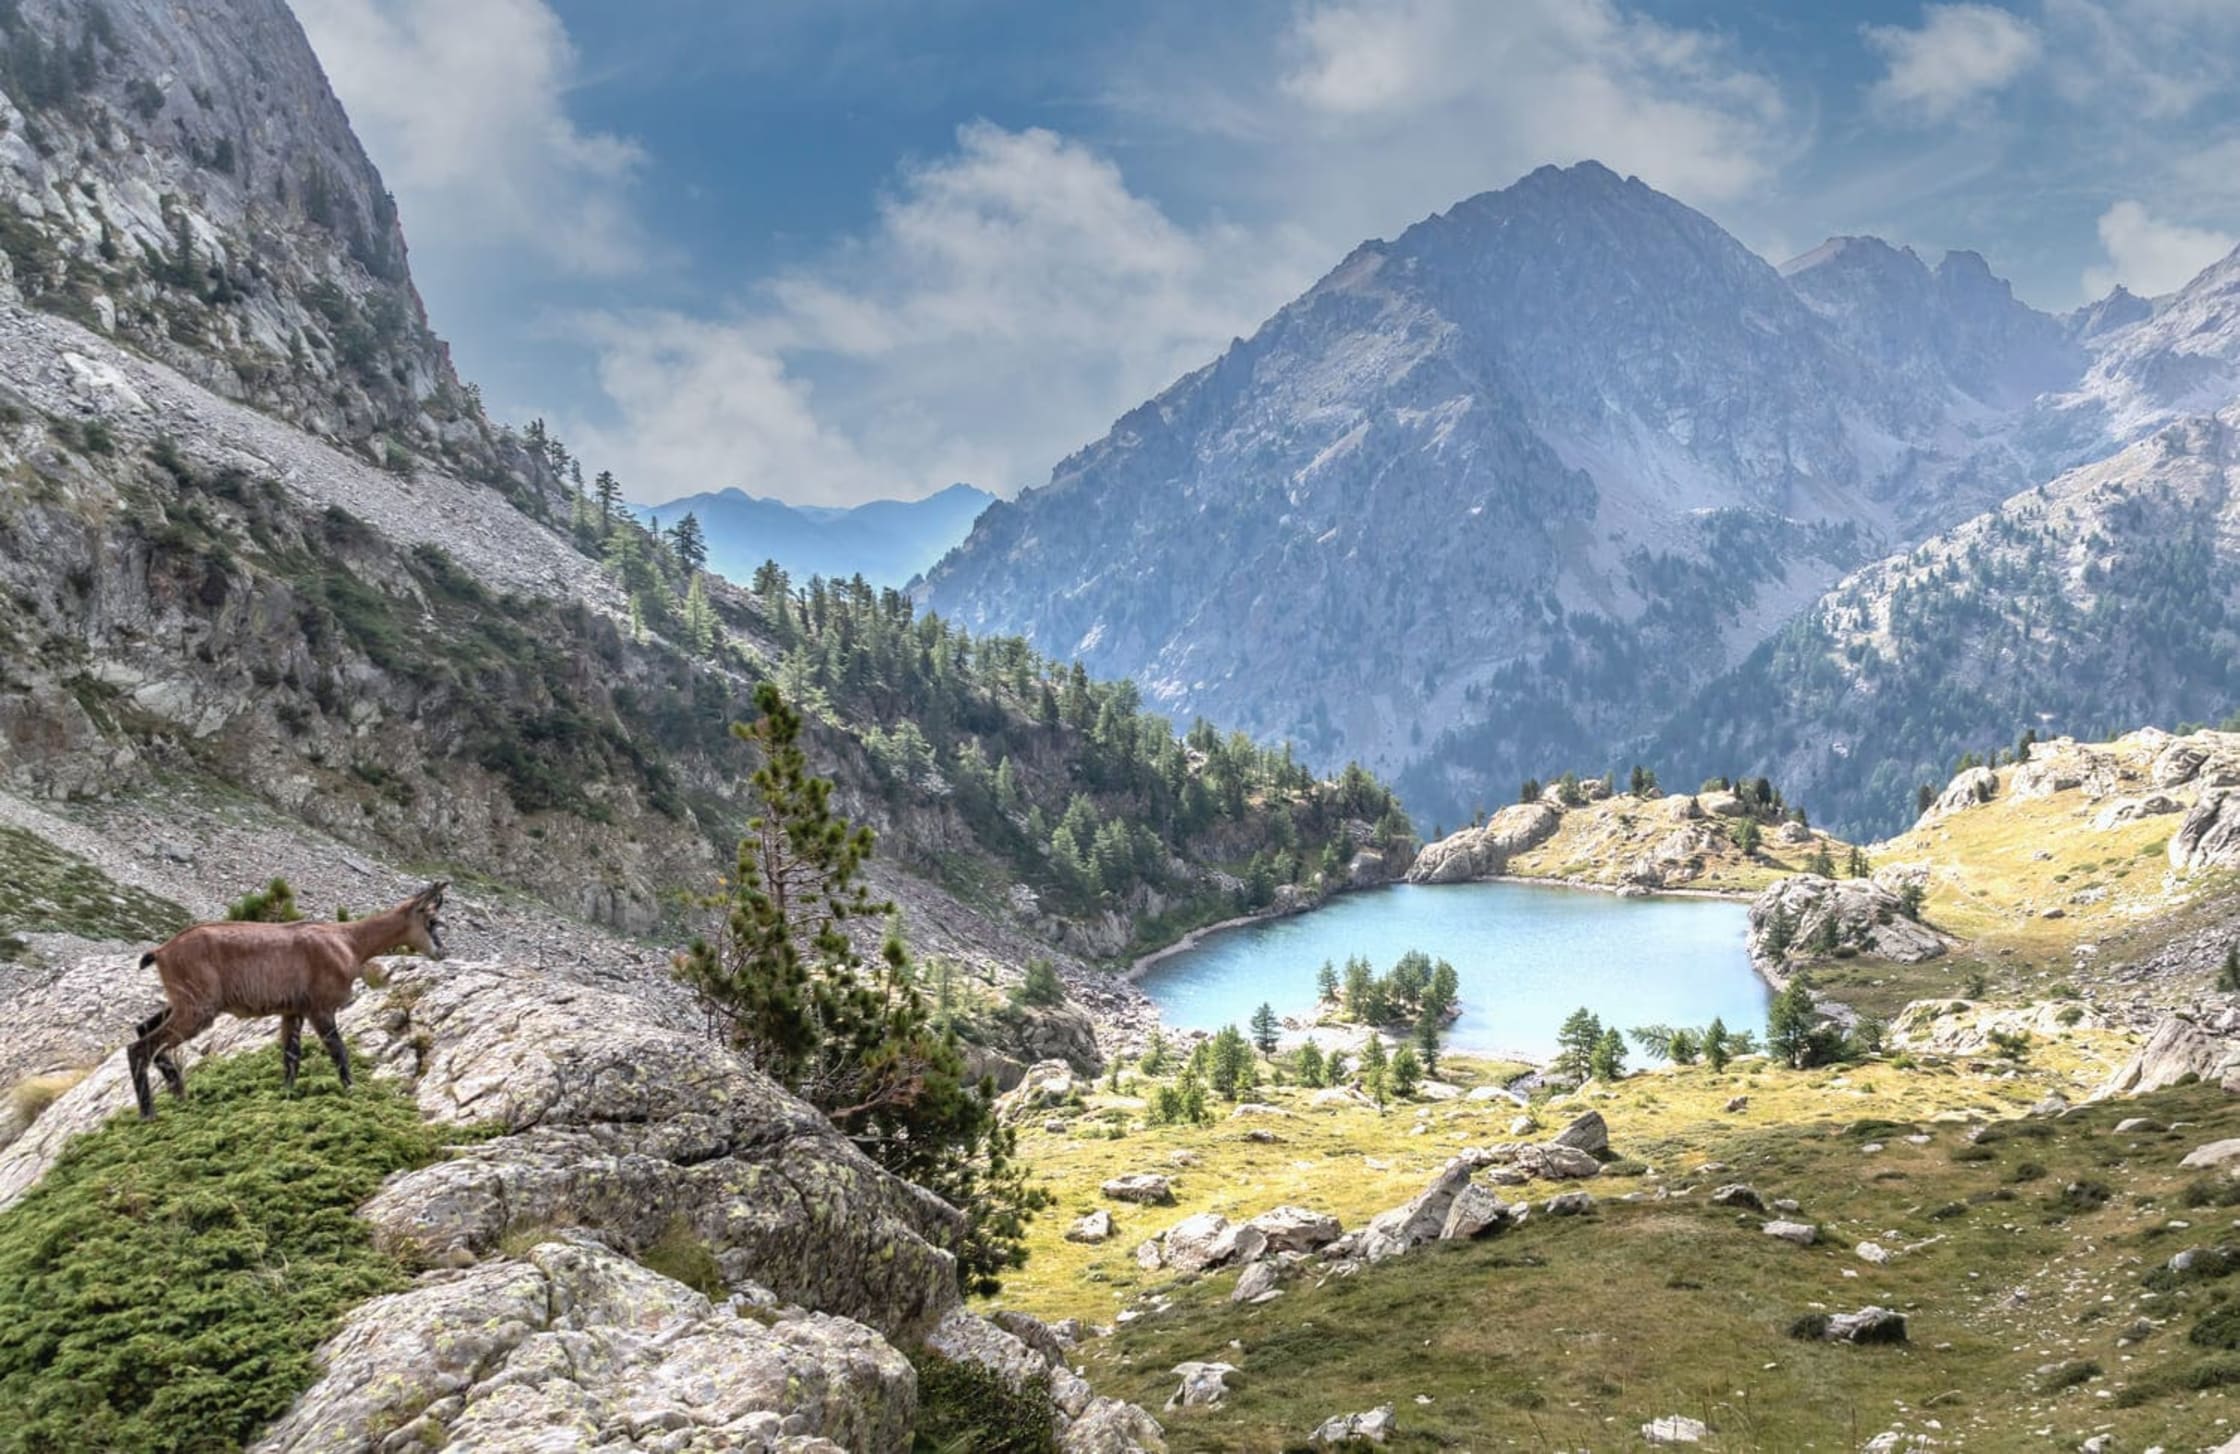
(432,896)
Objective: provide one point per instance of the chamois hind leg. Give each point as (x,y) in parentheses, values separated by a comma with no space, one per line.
(331,1037)
(177,1029)
(291,1048)
(137,1055)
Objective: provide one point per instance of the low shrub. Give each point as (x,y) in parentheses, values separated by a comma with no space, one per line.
(164,1286)
(964,1408)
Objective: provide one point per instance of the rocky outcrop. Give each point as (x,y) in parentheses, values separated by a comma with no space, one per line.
(1970,788)
(614,1115)
(2206,1049)
(1958,1027)
(1856,914)
(1484,852)
(2209,834)
(573,1335)
(1296,1229)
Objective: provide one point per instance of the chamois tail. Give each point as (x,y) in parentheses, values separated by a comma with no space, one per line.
(147,959)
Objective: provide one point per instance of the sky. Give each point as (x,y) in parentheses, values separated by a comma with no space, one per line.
(838,250)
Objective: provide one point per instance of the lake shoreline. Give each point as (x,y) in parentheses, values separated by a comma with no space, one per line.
(1298,1014)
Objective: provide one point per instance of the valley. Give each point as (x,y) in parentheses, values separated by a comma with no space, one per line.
(1174,959)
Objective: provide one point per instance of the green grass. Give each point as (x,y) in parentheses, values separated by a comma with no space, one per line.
(1570,1332)
(44,889)
(164,1286)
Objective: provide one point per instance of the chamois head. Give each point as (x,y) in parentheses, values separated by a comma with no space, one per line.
(423,931)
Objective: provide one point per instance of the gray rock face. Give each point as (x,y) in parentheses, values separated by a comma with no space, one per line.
(615,1120)
(1257,1283)
(1803,1234)
(1208,1240)
(1145,1188)
(1296,1229)
(1375,1426)
(1865,914)
(1555,1162)
(2177,1048)
(247,153)
(1868,1325)
(1474,1212)
(501,1355)
(1476,853)
(1588,1132)
(2209,834)
(1403,1228)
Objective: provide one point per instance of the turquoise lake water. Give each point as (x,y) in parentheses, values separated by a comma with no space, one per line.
(1527,956)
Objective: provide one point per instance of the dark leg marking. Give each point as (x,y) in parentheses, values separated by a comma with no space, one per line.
(291,1048)
(331,1037)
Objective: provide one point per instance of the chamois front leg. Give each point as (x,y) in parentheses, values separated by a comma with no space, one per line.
(291,1049)
(331,1037)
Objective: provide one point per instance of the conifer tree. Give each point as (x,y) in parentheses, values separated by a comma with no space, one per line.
(1575,1043)
(1405,1073)
(1309,1065)
(606,492)
(1607,1061)
(2228,974)
(1265,1029)
(1374,1069)
(689,542)
(700,627)
(1717,1047)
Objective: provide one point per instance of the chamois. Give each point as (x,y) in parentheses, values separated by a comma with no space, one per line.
(300,972)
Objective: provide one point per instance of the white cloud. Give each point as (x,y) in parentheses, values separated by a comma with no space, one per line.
(1014,298)
(2155,59)
(1961,54)
(461,105)
(1466,95)
(2150,256)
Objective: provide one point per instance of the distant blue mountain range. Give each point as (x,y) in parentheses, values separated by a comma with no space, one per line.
(887,542)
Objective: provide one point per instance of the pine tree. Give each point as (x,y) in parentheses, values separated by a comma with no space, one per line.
(1154,1058)
(1427,1041)
(606,492)
(1326,981)
(700,627)
(1823,862)
(689,543)
(1265,1029)
(2228,975)
(1857,868)
(1575,1043)
(1607,1061)
(1715,1044)
(1309,1065)
(1405,1073)
(1374,1069)
(1790,1022)
(783,984)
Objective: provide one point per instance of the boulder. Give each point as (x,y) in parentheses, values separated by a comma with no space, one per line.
(2215,1153)
(2130,810)
(1296,1229)
(1568,1204)
(1675,1429)
(1474,1212)
(1203,1385)
(573,1335)
(1095,1227)
(1046,1083)
(1873,1252)
(1588,1133)
(1375,1426)
(2209,834)
(1111,1426)
(2176,1048)
(1803,1234)
(1868,1325)
(1256,1283)
(1554,1162)
(1396,1231)
(1792,832)
(1209,1239)
(2139,1126)
(1149,1255)
(1145,1188)
(1735,1194)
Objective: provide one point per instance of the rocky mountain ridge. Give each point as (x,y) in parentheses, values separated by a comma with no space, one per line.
(887,542)
(1536,464)
(1556,459)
